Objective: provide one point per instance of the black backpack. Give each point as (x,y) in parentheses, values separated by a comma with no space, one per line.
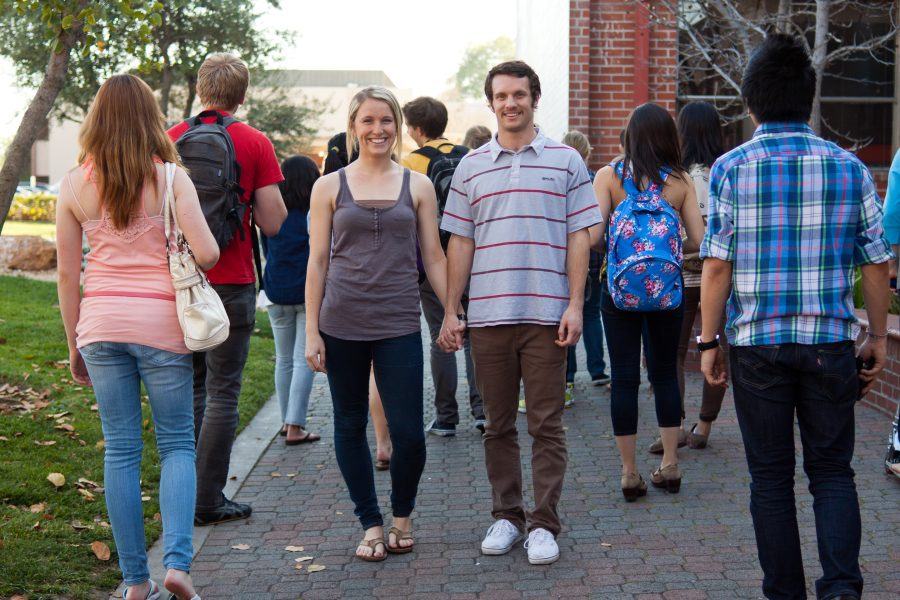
(440,171)
(207,152)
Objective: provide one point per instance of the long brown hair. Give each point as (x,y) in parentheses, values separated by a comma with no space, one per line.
(123,132)
(651,144)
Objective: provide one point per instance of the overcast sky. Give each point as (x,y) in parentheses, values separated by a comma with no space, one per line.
(418,44)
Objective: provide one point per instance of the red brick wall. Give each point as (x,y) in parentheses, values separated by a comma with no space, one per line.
(618,59)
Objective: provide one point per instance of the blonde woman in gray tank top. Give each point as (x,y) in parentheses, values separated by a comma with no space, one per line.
(362,310)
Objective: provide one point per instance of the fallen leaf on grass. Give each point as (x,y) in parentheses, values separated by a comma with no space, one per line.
(19,597)
(294,548)
(85,483)
(36,508)
(58,415)
(100,445)
(65,427)
(79,526)
(157,517)
(3,438)
(94,407)
(303,559)
(45,443)
(57,479)
(100,550)
(89,497)
(36,526)
(240,547)
(145,498)
(315,568)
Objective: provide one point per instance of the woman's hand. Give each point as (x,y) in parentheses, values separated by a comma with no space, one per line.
(315,352)
(78,368)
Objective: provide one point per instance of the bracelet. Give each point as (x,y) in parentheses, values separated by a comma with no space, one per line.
(876,335)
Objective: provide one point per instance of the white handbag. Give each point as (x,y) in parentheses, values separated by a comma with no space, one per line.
(200,310)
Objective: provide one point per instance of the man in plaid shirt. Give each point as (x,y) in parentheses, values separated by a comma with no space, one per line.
(790,218)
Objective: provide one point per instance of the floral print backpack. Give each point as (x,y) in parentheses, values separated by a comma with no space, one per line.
(644,249)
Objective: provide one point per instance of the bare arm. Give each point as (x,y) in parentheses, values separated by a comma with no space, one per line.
(577,252)
(715,286)
(692,219)
(429,239)
(192,222)
(877,297)
(460,252)
(604,199)
(268,209)
(68,249)
(321,211)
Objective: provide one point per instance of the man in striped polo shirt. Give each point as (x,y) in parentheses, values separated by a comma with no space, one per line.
(518,213)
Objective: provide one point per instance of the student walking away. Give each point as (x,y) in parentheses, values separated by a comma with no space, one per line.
(592,334)
(701,144)
(362,300)
(892,234)
(648,195)
(285,283)
(476,137)
(123,331)
(518,212)
(436,157)
(791,217)
(216,148)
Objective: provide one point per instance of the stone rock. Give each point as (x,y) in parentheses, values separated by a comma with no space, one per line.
(33,253)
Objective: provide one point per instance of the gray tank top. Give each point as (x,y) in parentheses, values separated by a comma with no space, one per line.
(371,288)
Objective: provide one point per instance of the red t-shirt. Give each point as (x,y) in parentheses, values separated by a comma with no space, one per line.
(259,168)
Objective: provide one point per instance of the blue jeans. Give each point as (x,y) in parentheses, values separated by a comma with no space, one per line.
(293,378)
(591,335)
(819,384)
(398,366)
(117,370)
(623,339)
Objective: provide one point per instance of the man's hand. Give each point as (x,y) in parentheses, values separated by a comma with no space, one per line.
(872,349)
(712,365)
(570,327)
(452,332)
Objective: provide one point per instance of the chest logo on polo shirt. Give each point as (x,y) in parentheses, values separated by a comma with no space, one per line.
(547,179)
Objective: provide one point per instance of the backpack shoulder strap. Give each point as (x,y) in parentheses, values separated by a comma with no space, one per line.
(429,152)
(627,182)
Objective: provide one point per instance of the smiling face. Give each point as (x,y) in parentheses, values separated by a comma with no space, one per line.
(375,127)
(512,103)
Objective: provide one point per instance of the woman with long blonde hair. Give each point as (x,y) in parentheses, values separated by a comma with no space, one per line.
(362,309)
(123,329)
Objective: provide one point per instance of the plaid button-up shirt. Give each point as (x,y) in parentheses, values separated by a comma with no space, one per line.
(794,214)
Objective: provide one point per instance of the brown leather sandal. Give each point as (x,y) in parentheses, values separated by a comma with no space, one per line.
(373,544)
(400,535)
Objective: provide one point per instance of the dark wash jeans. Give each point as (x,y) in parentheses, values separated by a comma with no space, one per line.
(217,387)
(398,366)
(819,383)
(623,340)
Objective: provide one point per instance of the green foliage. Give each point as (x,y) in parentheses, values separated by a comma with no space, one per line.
(477,61)
(33,207)
(54,559)
(290,124)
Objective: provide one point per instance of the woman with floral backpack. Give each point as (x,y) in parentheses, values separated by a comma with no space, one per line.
(648,196)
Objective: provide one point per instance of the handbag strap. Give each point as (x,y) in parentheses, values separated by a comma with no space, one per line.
(170,219)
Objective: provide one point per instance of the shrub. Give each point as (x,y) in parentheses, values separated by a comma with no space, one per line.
(33,207)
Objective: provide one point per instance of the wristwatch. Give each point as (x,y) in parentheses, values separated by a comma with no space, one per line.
(701,345)
(462,316)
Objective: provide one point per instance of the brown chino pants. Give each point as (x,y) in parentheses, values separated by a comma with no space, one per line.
(503,355)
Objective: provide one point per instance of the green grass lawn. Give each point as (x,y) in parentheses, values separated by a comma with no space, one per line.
(45,230)
(51,426)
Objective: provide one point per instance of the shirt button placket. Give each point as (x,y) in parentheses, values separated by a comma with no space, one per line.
(514,169)
(376,218)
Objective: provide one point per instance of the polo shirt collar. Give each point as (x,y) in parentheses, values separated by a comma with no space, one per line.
(783,127)
(537,144)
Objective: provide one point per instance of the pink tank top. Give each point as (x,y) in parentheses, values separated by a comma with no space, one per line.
(128,295)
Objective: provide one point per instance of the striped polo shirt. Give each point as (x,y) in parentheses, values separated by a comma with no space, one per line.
(519,207)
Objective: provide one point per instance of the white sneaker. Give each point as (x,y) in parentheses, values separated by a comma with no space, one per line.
(500,538)
(542,548)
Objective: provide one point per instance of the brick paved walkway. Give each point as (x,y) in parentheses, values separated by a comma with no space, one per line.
(697,544)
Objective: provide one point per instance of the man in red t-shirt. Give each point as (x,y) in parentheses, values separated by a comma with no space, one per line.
(221,85)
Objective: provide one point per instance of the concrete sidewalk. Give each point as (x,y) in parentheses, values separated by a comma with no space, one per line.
(697,544)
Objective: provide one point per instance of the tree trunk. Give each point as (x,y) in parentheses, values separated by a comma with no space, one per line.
(820,52)
(191,82)
(165,87)
(35,116)
(784,16)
